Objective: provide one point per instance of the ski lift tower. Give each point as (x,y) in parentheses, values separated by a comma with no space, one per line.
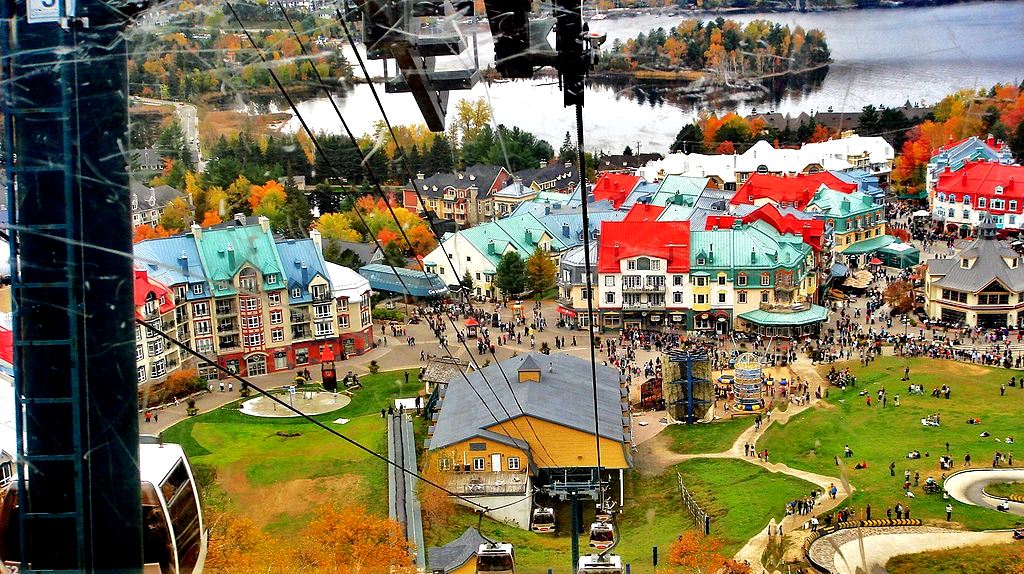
(64,101)
(688,393)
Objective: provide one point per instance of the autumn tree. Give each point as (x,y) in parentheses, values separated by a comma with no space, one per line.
(177,215)
(437,507)
(146,231)
(541,272)
(238,545)
(337,226)
(693,554)
(900,297)
(351,540)
(237,196)
(210,218)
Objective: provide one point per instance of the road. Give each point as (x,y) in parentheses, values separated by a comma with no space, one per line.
(188,119)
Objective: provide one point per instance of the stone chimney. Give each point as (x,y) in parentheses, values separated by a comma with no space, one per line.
(543,163)
(240,218)
(197,231)
(264,224)
(317,240)
(419,175)
(231,254)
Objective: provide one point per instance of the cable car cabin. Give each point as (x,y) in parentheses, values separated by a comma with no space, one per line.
(596,564)
(174,540)
(496,557)
(602,535)
(603,512)
(543,520)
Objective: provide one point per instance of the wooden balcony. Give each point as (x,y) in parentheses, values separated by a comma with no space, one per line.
(488,483)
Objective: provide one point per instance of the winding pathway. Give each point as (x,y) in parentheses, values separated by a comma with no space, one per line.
(968,486)
(869,549)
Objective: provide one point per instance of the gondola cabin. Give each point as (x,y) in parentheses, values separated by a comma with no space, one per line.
(602,535)
(174,537)
(496,558)
(597,564)
(543,520)
(328,374)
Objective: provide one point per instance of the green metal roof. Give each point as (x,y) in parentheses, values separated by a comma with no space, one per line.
(754,246)
(815,314)
(869,245)
(225,251)
(679,190)
(521,232)
(839,204)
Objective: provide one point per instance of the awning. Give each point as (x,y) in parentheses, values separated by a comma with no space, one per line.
(869,245)
(922,213)
(815,314)
(875,261)
(471,322)
(566,312)
(417,283)
(839,270)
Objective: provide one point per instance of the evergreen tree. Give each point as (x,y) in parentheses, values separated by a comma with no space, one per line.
(1016,143)
(568,150)
(477,150)
(393,255)
(628,151)
(439,159)
(325,199)
(690,139)
(868,122)
(297,215)
(510,275)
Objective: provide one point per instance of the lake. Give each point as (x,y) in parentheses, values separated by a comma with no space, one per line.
(880,57)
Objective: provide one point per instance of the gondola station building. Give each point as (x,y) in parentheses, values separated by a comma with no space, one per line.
(499,440)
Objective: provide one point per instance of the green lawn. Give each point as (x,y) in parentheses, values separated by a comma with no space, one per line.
(713,437)
(995,559)
(741,497)
(278,481)
(879,436)
(1006,489)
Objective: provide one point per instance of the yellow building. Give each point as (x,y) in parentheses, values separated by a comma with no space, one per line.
(495,438)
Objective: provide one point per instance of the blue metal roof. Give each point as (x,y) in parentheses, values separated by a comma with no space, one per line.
(419,283)
(302,262)
(174,261)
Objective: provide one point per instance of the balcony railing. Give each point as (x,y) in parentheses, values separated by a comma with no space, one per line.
(321,297)
(488,482)
(643,306)
(644,288)
(301,334)
(225,310)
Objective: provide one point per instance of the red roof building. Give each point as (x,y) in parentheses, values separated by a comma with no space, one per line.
(150,295)
(980,187)
(668,240)
(811,230)
(644,212)
(788,191)
(615,187)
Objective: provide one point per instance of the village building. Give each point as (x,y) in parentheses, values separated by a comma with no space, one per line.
(978,190)
(501,450)
(980,286)
(956,154)
(464,196)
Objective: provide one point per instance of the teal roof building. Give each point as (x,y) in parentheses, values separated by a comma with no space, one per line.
(224,252)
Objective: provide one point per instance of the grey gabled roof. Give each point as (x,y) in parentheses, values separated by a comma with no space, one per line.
(366,252)
(480,176)
(562,396)
(988,266)
(456,553)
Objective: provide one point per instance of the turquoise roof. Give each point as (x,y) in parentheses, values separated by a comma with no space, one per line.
(518,231)
(679,190)
(302,262)
(173,261)
(756,246)
(225,251)
(838,204)
(815,314)
(869,245)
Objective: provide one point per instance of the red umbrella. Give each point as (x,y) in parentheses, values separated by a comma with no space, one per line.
(875,261)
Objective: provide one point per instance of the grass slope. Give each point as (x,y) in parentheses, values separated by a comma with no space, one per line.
(879,436)
(741,497)
(997,559)
(277,480)
(699,438)
(1006,489)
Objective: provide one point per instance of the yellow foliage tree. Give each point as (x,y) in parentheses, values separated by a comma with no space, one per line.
(337,226)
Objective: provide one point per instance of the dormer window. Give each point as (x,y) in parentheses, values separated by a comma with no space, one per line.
(999,190)
(271,278)
(965,263)
(941,197)
(701,260)
(296,293)
(967,199)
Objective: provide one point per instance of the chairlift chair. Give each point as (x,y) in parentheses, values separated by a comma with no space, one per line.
(602,535)
(597,564)
(543,520)
(495,558)
(604,511)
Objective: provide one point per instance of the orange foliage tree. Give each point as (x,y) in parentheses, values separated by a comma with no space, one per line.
(211,218)
(726,148)
(351,540)
(146,231)
(693,554)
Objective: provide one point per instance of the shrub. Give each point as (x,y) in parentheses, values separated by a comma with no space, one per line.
(183,382)
(382,314)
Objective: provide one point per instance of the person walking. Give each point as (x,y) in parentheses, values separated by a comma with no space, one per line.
(949,512)
(892,468)
(867,512)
